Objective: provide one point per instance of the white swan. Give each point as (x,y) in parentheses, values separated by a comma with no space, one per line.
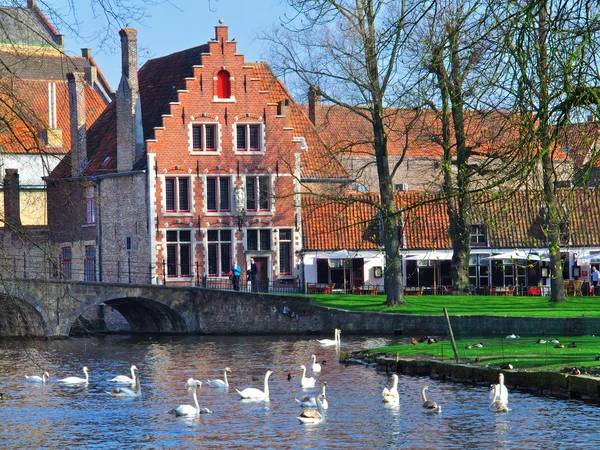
(391,395)
(125,392)
(125,379)
(253,393)
(497,404)
(312,416)
(77,380)
(311,402)
(36,379)
(220,383)
(189,410)
(334,341)
(500,390)
(428,405)
(316,367)
(306,382)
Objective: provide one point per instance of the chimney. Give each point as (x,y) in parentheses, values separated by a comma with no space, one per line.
(221,32)
(31,4)
(127,96)
(91,72)
(314,105)
(53,133)
(12,202)
(283,109)
(78,125)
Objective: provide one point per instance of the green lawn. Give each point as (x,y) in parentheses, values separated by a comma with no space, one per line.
(467,305)
(522,353)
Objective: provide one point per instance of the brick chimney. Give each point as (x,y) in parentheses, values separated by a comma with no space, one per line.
(12,202)
(78,125)
(314,105)
(54,137)
(127,97)
(31,4)
(221,32)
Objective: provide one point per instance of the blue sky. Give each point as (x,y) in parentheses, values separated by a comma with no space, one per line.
(172,28)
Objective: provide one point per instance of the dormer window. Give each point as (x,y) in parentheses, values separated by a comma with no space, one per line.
(223,84)
(478,236)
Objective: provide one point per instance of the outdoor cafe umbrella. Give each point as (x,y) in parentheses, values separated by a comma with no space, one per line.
(435,256)
(513,257)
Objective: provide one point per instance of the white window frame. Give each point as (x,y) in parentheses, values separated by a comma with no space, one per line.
(261,138)
(177,211)
(178,244)
(218,195)
(203,150)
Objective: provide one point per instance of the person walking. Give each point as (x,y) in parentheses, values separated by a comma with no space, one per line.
(235,272)
(254,274)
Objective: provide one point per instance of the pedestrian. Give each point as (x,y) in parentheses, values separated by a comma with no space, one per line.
(595,276)
(235,273)
(254,275)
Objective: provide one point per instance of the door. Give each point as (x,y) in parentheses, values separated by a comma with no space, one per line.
(263,273)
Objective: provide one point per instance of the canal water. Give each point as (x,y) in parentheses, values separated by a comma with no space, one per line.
(52,415)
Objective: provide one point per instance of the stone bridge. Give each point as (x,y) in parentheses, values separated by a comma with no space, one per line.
(51,308)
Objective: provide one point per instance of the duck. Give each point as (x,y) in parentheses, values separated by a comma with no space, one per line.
(575,371)
(124,392)
(37,379)
(428,405)
(572,345)
(125,379)
(316,367)
(311,402)
(189,410)
(413,341)
(306,382)
(497,404)
(554,341)
(77,380)
(431,340)
(499,390)
(541,341)
(220,383)
(468,346)
(507,366)
(290,376)
(257,394)
(334,341)
(559,346)
(478,345)
(312,416)
(391,395)
(513,336)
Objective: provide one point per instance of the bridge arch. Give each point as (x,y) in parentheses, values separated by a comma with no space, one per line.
(19,317)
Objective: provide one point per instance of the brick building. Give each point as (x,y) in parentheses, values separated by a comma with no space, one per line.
(200,160)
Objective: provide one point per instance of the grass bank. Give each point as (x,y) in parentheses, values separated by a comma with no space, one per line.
(467,305)
(522,353)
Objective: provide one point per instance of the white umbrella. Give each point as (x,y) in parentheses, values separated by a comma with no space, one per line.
(514,256)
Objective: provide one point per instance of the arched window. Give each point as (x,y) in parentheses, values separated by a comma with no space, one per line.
(223,84)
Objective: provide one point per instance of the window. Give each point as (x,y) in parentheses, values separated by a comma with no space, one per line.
(478,236)
(177,194)
(479,275)
(90,193)
(179,253)
(248,137)
(223,84)
(285,252)
(65,263)
(204,137)
(258,239)
(257,194)
(89,268)
(219,252)
(218,196)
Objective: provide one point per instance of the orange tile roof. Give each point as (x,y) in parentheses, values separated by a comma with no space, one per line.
(24,112)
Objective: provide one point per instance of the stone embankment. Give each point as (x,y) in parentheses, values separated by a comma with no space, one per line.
(541,382)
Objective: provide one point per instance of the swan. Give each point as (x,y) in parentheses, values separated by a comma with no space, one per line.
(391,395)
(306,382)
(316,367)
(125,392)
(189,410)
(253,393)
(220,383)
(125,379)
(500,389)
(428,405)
(497,404)
(334,341)
(311,402)
(35,379)
(312,416)
(77,380)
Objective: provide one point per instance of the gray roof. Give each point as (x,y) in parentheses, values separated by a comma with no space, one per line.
(26,26)
(34,66)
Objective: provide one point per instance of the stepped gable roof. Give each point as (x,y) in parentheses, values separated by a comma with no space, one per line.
(160,78)
(25,26)
(511,220)
(24,113)
(318,161)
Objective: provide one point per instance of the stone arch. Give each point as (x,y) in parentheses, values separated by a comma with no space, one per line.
(19,318)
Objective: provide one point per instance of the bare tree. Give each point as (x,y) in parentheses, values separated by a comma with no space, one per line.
(350,50)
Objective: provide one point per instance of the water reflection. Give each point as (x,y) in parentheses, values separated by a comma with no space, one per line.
(86,416)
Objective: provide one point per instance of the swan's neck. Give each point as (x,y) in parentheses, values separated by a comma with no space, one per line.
(266,387)
(319,406)
(395,383)
(323,391)
(303,372)
(133,374)
(225,378)
(44,377)
(423,395)
(195,397)
(86,376)
(314,358)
